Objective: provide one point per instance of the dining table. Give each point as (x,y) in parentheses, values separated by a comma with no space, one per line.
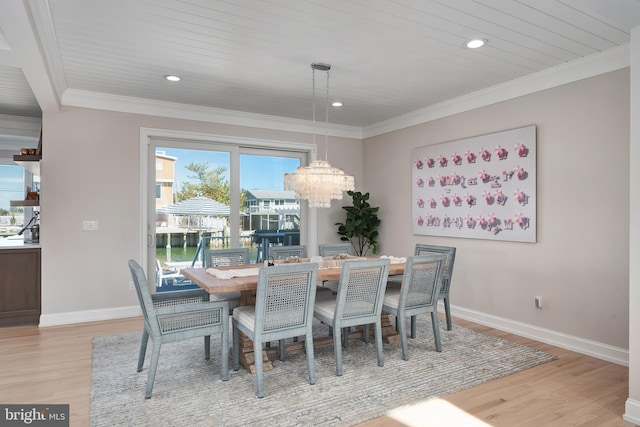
(244,279)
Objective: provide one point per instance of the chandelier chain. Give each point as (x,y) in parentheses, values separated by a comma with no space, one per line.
(319,182)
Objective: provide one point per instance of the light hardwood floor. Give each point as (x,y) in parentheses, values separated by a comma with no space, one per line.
(53,365)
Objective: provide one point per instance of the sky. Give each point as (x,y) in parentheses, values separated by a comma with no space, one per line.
(256,172)
(11,184)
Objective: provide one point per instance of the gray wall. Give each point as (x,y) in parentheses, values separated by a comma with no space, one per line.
(579,264)
(91,171)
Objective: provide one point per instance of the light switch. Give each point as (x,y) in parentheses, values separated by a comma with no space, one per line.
(90,225)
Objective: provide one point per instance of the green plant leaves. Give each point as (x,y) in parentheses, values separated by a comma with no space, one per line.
(361,224)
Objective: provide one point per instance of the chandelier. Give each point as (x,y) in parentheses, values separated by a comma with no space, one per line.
(319,182)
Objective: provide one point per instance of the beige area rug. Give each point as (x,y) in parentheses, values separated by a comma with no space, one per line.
(188,390)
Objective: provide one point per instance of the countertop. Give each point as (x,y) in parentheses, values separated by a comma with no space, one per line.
(16,244)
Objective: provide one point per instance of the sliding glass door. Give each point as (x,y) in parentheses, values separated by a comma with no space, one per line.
(214,195)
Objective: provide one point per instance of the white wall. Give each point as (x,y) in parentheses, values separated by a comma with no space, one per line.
(579,264)
(632,407)
(91,171)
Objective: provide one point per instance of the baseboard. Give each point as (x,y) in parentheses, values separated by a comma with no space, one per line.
(83,316)
(602,351)
(559,339)
(632,411)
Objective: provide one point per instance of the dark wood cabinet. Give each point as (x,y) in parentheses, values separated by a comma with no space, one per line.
(19,286)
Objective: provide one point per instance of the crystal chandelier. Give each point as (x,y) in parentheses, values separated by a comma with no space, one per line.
(319,182)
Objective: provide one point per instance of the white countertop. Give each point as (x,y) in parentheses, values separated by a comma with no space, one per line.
(13,242)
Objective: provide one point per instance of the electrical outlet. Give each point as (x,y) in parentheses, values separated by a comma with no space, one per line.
(90,225)
(538,302)
(131,286)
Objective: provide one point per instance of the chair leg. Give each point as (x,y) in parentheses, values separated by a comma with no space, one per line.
(366,333)
(413,326)
(436,330)
(337,350)
(345,337)
(447,311)
(378,330)
(257,348)
(143,349)
(403,339)
(308,345)
(236,349)
(155,355)
(207,347)
(281,350)
(224,373)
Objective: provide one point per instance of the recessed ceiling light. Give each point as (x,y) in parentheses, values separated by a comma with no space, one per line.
(475,43)
(337,104)
(172,78)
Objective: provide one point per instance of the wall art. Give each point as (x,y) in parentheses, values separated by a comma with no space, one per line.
(483,187)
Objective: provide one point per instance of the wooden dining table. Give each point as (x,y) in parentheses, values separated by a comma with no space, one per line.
(247,286)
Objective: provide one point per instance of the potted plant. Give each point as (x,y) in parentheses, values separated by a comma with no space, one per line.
(360,228)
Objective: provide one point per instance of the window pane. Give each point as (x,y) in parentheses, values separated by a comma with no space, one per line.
(273,213)
(192,204)
(185,173)
(11,188)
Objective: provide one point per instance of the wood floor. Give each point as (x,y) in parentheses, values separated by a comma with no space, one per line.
(53,366)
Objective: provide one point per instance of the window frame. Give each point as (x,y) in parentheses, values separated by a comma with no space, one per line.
(150,138)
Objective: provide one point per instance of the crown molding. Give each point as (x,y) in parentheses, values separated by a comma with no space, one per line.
(125,104)
(590,66)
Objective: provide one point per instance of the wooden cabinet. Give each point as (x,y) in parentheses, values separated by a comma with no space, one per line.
(19,286)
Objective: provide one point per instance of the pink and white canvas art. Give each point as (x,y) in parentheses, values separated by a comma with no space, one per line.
(483,187)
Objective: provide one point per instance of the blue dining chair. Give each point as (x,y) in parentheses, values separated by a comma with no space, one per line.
(226,257)
(418,294)
(358,302)
(175,316)
(285,299)
(450,252)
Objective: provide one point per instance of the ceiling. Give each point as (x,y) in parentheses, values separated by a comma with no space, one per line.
(250,59)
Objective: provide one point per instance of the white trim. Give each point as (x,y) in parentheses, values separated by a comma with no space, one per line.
(632,412)
(147,133)
(146,235)
(126,104)
(83,316)
(16,21)
(602,351)
(43,22)
(590,66)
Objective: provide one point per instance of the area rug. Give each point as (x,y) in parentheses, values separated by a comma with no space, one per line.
(188,390)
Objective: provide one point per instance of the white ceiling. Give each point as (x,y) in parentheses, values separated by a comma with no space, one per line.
(390,58)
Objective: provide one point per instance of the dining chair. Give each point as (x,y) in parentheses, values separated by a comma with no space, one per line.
(285,297)
(284,252)
(450,252)
(332,249)
(418,294)
(226,257)
(358,302)
(175,316)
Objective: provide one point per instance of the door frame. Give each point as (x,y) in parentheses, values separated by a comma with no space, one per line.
(147,174)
